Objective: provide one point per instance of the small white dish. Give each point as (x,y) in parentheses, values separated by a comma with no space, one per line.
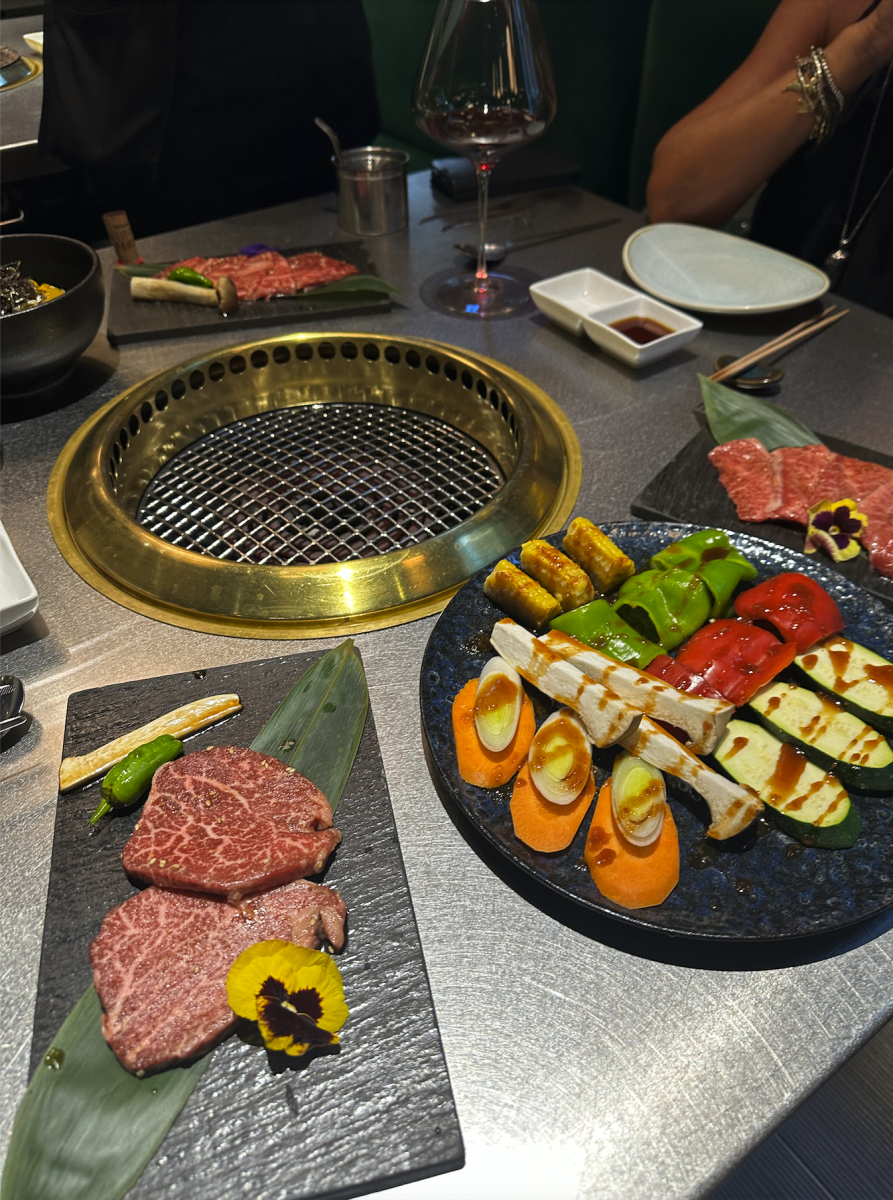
(18,595)
(636,354)
(35,41)
(710,271)
(567,299)
(578,301)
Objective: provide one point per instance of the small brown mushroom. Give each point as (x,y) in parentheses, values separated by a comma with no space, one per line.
(227,296)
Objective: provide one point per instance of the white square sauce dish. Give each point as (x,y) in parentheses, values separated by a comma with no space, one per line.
(567,299)
(587,301)
(641,330)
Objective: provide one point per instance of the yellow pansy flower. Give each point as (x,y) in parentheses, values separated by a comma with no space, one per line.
(295,995)
(835,526)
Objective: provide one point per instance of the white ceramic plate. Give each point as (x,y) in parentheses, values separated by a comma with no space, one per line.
(710,271)
(18,595)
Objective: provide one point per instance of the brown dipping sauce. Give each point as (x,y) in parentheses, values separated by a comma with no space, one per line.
(641,329)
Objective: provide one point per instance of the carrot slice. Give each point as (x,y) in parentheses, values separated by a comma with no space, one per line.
(632,876)
(538,822)
(478,765)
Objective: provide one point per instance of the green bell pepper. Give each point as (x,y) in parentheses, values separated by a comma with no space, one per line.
(132,775)
(187,275)
(599,626)
(711,556)
(664,606)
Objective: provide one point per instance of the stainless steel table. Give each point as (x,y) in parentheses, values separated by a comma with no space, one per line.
(580,1068)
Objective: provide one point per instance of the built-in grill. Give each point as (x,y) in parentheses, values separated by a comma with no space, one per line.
(310,484)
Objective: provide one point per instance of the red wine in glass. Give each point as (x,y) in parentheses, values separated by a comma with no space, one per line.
(485,88)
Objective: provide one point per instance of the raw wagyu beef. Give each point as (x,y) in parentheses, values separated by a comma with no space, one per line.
(268,274)
(785,484)
(230,821)
(161,959)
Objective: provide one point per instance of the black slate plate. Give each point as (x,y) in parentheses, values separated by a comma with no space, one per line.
(378,1113)
(774,890)
(142,321)
(688,489)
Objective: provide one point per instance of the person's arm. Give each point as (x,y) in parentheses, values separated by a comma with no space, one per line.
(707,165)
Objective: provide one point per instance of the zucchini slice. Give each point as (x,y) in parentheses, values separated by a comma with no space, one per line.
(859,678)
(832,738)
(801,799)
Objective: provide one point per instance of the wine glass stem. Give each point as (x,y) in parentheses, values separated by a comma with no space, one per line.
(483,173)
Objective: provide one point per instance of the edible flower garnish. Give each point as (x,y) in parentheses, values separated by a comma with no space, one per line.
(295,995)
(834,526)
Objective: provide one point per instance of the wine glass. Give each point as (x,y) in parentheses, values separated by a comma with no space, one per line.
(485,88)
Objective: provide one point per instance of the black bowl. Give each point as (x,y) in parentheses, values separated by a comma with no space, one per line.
(40,345)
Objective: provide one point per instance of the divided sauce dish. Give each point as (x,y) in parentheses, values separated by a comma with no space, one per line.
(587,301)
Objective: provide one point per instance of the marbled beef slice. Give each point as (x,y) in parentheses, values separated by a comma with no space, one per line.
(748,474)
(230,821)
(161,959)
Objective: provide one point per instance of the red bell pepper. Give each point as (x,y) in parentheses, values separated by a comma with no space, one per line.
(683,678)
(798,607)
(735,657)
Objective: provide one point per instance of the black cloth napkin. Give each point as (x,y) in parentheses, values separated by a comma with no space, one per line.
(521,171)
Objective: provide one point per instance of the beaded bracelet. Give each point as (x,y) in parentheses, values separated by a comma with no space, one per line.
(819,93)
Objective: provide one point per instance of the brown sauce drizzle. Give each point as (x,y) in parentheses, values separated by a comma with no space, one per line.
(882,675)
(737,746)
(789,767)
(496,692)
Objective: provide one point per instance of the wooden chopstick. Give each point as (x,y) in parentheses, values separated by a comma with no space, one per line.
(784,341)
(735,368)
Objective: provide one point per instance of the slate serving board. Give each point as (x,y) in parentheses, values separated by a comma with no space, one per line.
(688,489)
(770,890)
(378,1112)
(143,320)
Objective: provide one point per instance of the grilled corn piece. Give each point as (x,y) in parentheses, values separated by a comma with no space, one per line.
(520,596)
(557,573)
(605,564)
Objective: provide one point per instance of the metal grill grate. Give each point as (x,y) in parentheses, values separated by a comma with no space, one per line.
(319,483)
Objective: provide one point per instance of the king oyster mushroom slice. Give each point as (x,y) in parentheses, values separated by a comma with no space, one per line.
(701,717)
(732,807)
(607,718)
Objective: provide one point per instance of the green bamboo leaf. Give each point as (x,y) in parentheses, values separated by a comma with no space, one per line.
(354,283)
(129,270)
(317,727)
(87,1128)
(733,415)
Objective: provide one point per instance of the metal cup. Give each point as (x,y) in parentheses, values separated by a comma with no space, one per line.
(372,190)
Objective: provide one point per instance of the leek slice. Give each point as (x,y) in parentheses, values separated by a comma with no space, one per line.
(497,704)
(560,758)
(639,799)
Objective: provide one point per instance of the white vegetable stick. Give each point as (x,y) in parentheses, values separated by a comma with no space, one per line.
(703,719)
(144,288)
(607,718)
(732,807)
(188,718)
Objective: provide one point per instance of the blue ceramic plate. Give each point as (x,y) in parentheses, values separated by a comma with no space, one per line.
(777,888)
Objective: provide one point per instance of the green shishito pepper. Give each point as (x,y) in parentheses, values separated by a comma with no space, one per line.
(664,606)
(187,275)
(133,774)
(711,556)
(599,626)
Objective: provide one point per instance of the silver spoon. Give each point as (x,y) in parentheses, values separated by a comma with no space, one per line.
(331,135)
(755,379)
(496,251)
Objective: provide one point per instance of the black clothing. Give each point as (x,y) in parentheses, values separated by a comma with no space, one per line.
(804,205)
(183,111)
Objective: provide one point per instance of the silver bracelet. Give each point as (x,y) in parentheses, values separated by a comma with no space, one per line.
(819,93)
